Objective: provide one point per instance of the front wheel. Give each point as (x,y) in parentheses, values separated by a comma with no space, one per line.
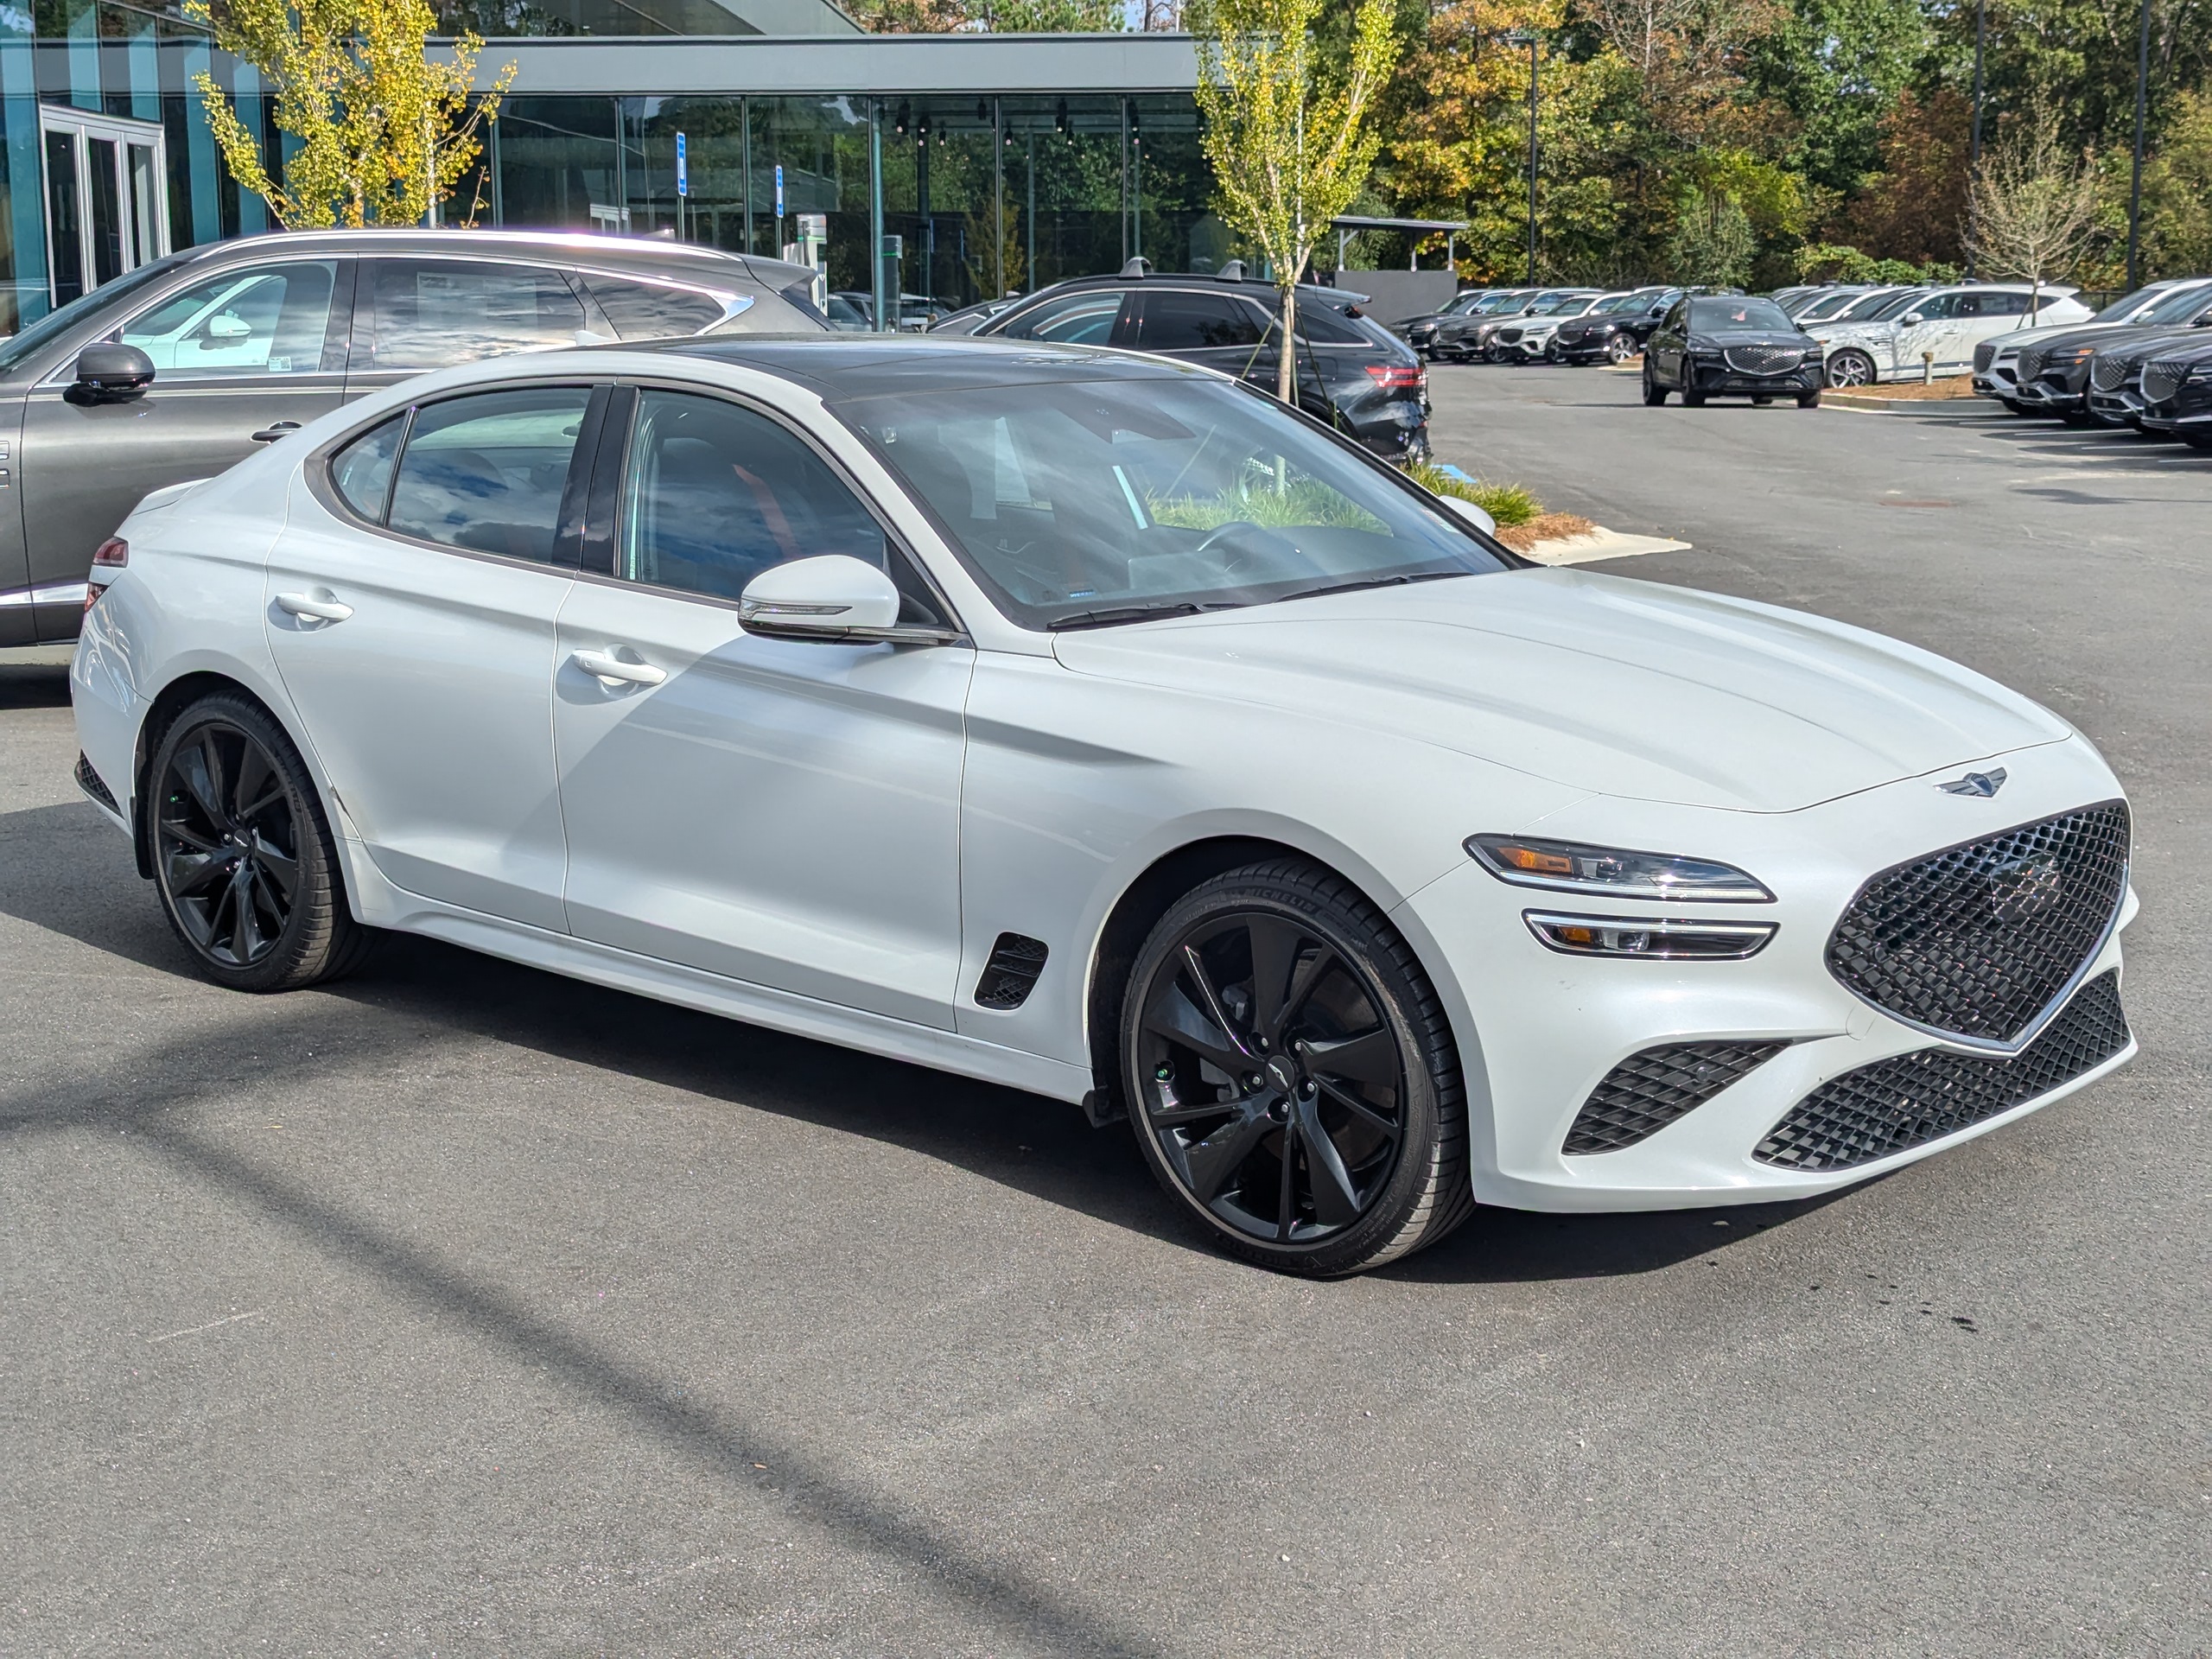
(1693,399)
(1851,369)
(1809,399)
(1620,349)
(1552,353)
(243,856)
(1293,1080)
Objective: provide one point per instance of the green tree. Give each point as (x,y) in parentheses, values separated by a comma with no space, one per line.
(1291,139)
(382,131)
(1713,242)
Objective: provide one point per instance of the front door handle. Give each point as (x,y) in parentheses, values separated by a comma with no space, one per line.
(611,670)
(274,430)
(316,607)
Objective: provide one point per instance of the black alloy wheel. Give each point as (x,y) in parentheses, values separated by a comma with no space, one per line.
(242,854)
(1294,1079)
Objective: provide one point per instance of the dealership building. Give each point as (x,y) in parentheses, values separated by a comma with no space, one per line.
(973,163)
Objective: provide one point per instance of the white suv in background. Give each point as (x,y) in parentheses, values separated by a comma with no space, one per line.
(1996,362)
(1935,332)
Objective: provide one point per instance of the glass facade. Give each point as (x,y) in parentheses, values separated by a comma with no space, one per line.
(925,203)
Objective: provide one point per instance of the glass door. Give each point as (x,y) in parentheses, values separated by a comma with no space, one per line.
(106,211)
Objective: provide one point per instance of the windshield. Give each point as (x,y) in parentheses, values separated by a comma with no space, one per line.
(1617,302)
(1554,304)
(1716,314)
(1813,307)
(1894,305)
(1462,303)
(1507,301)
(1078,503)
(54,324)
(2128,304)
(2181,305)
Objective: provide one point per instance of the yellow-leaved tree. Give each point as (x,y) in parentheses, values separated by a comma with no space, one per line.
(1290,138)
(382,132)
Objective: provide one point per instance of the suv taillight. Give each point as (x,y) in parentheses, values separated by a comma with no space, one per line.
(1393,377)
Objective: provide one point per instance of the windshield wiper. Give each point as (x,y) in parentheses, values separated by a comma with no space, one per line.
(1108,619)
(1375,582)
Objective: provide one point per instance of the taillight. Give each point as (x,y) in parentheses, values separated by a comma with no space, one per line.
(1393,377)
(111,555)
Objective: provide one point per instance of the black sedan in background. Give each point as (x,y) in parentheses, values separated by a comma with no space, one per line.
(1419,332)
(1351,372)
(1617,327)
(1712,346)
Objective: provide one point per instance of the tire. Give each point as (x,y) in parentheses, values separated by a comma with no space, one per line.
(1809,399)
(1654,393)
(1619,348)
(1851,368)
(1552,353)
(2200,441)
(2014,406)
(1693,399)
(1390,1113)
(242,854)
(2078,417)
(1762,403)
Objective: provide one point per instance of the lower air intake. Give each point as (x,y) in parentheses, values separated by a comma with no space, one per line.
(89,781)
(1011,973)
(1648,1091)
(1894,1105)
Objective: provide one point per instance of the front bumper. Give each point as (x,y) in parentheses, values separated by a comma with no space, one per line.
(2121,407)
(1720,380)
(1539,1031)
(2059,392)
(1999,380)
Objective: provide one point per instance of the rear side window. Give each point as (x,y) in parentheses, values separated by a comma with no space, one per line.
(362,470)
(651,310)
(486,471)
(1173,322)
(1326,328)
(431,313)
(1075,319)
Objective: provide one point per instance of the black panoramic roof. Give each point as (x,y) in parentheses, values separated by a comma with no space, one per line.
(843,367)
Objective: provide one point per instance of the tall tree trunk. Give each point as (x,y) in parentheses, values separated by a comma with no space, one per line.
(1287,363)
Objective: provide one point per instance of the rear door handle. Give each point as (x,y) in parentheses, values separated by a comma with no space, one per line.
(277,429)
(610,670)
(320,608)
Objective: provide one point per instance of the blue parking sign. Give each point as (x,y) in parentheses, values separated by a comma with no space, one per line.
(779,190)
(682,172)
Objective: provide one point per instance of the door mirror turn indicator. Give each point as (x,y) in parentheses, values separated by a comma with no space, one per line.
(111,374)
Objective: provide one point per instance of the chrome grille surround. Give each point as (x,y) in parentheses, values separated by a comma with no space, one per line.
(2162,379)
(1894,1105)
(2109,373)
(1981,944)
(1983,355)
(2031,361)
(1763,359)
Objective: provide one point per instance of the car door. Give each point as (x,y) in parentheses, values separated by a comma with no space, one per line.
(249,348)
(1665,348)
(781,812)
(410,609)
(416,314)
(1931,326)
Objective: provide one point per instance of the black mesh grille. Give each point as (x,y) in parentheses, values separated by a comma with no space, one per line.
(2109,373)
(1646,1091)
(1975,941)
(1983,355)
(1894,1105)
(1763,359)
(1011,973)
(2161,380)
(89,781)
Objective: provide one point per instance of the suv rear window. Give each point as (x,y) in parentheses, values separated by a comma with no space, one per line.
(651,310)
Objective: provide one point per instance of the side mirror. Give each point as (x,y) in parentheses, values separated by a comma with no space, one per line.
(1911,318)
(832,598)
(228,326)
(111,374)
(1473,514)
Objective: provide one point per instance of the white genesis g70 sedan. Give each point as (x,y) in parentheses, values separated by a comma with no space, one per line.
(1091,724)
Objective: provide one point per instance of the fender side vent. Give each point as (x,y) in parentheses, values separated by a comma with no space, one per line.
(1011,973)
(1648,1091)
(89,781)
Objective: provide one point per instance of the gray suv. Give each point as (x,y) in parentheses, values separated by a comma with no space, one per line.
(176,371)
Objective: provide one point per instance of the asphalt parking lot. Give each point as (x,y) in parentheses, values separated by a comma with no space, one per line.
(462,1309)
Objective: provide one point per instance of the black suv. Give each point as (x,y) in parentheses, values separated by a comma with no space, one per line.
(1616,325)
(1352,372)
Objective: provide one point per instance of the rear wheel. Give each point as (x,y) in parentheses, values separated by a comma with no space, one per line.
(1654,393)
(243,856)
(1294,1082)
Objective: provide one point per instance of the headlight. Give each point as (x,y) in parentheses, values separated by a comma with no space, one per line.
(1570,867)
(2069,357)
(2201,372)
(1631,936)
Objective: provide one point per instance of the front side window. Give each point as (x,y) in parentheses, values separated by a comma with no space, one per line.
(1078,319)
(265,320)
(485,472)
(431,313)
(716,493)
(1078,502)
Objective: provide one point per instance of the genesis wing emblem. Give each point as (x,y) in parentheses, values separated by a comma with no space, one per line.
(1984,784)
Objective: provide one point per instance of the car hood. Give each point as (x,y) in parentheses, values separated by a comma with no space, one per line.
(1724,338)
(1622,688)
(2141,345)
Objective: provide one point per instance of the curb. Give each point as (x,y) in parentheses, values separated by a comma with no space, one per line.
(1600,543)
(1872,405)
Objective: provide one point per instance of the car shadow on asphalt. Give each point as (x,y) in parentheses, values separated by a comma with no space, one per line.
(24,685)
